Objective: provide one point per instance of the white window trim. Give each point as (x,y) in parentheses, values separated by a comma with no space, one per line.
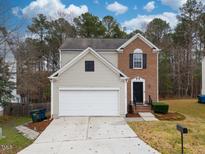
(138,79)
(137,51)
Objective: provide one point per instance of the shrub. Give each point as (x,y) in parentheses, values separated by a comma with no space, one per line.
(160,107)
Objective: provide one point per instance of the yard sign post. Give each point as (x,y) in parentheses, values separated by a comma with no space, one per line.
(182,130)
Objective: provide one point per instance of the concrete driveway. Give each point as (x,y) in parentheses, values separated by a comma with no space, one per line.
(88,135)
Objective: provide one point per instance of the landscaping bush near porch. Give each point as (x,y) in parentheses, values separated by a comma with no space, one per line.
(160,107)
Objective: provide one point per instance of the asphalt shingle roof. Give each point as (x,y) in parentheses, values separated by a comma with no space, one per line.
(83,43)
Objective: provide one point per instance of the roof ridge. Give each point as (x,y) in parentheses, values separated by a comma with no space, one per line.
(95,43)
(98,38)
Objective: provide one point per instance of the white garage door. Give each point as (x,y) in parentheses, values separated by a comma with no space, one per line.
(88,102)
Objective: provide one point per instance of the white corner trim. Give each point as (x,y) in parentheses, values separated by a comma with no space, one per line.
(52,100)
(125,83)
(138,35)
(157,76)
(203,77)
(138,79)
(81,55)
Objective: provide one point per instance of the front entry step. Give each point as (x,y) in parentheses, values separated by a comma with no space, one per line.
(142,108)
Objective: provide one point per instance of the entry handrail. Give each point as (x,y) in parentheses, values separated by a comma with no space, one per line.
(150,100)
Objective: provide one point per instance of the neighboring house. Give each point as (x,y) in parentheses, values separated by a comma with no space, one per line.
(203,77)
(100,77)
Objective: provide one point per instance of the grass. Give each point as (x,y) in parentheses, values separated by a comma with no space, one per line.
(13,141)
(171,116)
(164,137)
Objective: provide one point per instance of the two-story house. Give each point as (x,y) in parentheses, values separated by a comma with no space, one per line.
(100,77)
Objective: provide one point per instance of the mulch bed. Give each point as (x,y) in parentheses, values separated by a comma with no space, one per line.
(132,115)
(172,116)
(39,126)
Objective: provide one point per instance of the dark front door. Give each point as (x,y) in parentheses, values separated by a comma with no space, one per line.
(138,92)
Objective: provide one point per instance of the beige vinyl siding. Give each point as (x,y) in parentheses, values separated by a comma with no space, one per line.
(112,57)
(76,77)
(67,56)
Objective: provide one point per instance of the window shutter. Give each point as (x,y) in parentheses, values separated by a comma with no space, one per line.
(144,61)
(131,60)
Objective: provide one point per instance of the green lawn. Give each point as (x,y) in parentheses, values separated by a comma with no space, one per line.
(163,135)
(13,141)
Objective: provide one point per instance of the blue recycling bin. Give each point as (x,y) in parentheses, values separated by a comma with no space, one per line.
(201,99)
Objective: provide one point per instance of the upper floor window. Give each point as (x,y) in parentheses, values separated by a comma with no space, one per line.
(89,66)
(138,60)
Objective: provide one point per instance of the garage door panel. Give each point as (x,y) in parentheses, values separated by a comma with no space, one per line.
(88,102)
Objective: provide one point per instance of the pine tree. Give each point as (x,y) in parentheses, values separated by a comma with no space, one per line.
(6,86)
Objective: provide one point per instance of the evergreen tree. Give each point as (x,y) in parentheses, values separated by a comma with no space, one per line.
(6,86)
(89,26)
(113,29)
(158,32)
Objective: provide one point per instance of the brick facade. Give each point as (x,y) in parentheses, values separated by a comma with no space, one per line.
(149,74)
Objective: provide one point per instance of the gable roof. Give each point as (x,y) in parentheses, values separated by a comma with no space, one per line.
(80,44)
(83,43)
(138,35)
(80,56)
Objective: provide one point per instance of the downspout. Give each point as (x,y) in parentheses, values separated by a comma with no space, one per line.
(52,101)
(157,76)
(126,103)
